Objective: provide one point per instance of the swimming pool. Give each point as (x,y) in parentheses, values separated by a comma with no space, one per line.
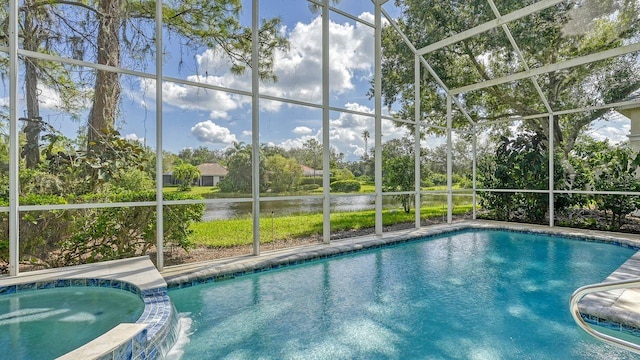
(466,295)
(45,324)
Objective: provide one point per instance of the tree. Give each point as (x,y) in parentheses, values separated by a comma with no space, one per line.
(398,169)
(109,32)
(521,163)
(186,174)
(240,175)
(564,31)
(615,170)
(365,137)
(284,174)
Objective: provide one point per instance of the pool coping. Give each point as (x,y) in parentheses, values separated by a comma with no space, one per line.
(617,309)
(148,338)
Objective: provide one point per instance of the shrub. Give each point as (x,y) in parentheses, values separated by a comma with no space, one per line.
(309,187)
(67,237)
(345,186)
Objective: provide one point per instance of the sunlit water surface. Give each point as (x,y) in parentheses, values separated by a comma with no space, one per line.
(45,324)
(469,295)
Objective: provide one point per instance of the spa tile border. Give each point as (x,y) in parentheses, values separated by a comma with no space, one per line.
(591,307)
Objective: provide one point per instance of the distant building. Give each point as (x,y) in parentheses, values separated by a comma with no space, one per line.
(210,175)
(310,172)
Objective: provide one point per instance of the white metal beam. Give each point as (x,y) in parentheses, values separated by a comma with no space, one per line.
(551,165)
(416,139)
(14,215)
(449,162)
(516,48)
(520,13)
(159,192)
(255,123)
(424,62)
(378,118)
(326,112)
(603,55)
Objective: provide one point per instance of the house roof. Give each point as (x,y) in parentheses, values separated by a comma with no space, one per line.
(212,169)
(307,171)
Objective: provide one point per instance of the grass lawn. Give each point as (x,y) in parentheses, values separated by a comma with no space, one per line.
(234,232)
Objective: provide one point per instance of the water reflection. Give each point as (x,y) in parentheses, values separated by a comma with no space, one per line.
(231,210)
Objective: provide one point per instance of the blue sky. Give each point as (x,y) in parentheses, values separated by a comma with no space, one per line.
(194,117)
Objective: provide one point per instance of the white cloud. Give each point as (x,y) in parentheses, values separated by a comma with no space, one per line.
(218,103)
(297,142)
(346,131)
(299,70)
(208,131)
(615,130)
(302,130)
(134,137)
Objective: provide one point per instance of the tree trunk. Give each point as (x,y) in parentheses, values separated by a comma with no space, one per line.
(107,87)
(31,149)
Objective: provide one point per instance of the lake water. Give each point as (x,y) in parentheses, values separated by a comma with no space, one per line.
(231,210)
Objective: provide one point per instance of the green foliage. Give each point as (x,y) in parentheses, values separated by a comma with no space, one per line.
(520,163)
(284,174)
(615,170)
(311,180)
(239,178)
(67,237)
(398,170)
(186,174)
(564,31)
(345,186)
(133,180)
(343,174)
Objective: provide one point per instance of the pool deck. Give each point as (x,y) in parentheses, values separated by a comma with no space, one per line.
(138,271)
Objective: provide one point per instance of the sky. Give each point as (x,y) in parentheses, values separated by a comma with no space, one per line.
(194,117)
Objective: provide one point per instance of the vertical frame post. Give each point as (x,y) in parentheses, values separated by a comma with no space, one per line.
(378,116)
(326,190)
(418,121)
(449,161)
(255,124)
(551,165)
(14,215)
(159,197)
(474,164)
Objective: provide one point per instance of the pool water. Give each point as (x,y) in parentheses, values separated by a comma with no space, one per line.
(45,324)
(467,295)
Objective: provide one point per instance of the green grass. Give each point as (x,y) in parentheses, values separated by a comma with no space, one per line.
(234,232)
(195,190)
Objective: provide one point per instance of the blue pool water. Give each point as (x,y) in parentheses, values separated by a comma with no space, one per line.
(468,295)
(45,324)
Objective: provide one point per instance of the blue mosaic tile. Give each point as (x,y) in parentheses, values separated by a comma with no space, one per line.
(78,282)
(63,283)
(92,282)
(45,285)
(124,351)
(116,284)
(26,286)
(105,283)
(7,290)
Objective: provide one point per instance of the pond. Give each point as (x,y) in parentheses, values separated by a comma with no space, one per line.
(230,210)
